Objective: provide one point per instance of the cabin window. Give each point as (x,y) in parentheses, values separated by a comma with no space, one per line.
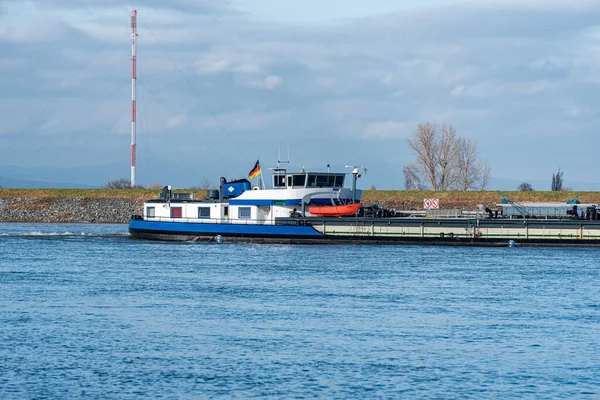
(150,212)
(339,181)
(244,212)
(226,211)
(324,180)
(176,212)
(312,181)
(204,212)
(289,181)
(299,180)
(278,180)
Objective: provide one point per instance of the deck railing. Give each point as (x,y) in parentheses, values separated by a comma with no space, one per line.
(244,221)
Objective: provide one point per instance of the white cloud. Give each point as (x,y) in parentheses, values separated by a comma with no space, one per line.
(38,30)
(388,130)
(178,120)
(246,120)
(268,83)
(489,68)
(11,64)
(575,111)
(229,60)
(458,90)
(387,79)
(212,66)
(551,63)
(271,82)
(488,89)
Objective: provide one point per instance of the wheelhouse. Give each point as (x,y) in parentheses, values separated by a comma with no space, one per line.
(283,180)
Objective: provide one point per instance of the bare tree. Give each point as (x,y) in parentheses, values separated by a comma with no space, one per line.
(486,175)
(435,148)
(412,181)
(155,185)
(424,144)
(471,171)
(444,160)
(525,187)
(119,184)
(205,184)
(446,157)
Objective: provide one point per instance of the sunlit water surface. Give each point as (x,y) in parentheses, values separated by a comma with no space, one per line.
(87,312)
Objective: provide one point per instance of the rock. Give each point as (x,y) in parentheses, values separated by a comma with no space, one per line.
(78,209)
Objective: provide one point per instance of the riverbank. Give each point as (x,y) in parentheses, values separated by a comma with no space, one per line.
(69,209)
(116,206)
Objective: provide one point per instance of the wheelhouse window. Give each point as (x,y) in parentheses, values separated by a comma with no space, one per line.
(204,212)
(278,181)
(150,212)
(244,212)
(299,180)
(325,180)
(226,211)
(176,212)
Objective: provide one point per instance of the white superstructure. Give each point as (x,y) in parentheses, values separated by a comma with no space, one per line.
(238,202)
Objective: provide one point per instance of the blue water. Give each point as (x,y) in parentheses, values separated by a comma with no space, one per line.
(87,312)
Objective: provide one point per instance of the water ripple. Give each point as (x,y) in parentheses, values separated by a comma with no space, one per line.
(87,312)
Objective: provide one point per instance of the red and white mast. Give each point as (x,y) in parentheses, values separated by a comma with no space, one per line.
(133,83)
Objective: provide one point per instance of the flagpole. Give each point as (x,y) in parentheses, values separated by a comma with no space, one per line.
(256,173)
(262,180)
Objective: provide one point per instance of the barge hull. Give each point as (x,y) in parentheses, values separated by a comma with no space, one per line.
(483,233)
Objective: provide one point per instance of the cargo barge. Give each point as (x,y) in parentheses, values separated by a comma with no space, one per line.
(238,211)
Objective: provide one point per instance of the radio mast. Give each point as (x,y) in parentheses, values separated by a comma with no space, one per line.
(133,84)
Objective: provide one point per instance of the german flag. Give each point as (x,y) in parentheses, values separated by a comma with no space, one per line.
(255,171)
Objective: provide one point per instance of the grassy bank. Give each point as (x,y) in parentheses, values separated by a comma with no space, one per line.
(482,197)
(447,199)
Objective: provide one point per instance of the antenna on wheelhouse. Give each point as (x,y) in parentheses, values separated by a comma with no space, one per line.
(280,161)
(279,173)
(133,86)
(355,176)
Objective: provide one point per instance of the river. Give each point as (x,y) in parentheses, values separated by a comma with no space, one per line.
(88,312)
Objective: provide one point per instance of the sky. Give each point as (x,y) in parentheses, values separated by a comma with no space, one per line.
(224,83)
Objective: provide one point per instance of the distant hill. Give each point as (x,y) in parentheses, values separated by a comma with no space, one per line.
(52,177)
(98,176)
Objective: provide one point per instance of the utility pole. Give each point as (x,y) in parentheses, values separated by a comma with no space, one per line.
(133,84)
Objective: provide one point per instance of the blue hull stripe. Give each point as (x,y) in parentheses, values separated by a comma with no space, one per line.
(223,229)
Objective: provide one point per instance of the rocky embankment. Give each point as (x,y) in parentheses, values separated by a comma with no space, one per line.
(76,209)
(109,210)
(117,206)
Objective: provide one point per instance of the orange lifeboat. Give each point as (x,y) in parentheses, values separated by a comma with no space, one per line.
(334,211)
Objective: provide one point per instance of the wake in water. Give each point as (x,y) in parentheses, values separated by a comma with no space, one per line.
(63,234)
(37,230)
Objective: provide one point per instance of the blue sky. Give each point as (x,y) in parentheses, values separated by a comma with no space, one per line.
(222,83)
